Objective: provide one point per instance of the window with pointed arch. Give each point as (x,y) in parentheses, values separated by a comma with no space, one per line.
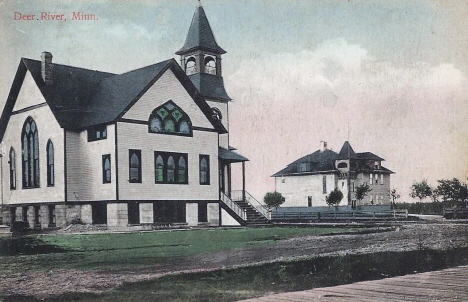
(50,164)
(204,169)
(170,167)
(30,154)
(12,169)
(134,166)
(170,119)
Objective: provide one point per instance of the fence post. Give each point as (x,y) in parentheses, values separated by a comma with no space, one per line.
(299,215)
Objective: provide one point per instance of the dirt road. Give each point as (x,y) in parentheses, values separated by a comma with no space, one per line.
(405,238)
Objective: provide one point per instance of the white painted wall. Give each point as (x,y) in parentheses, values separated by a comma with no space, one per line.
(296,189)
(166,88)
(84,166)
(224,108)
(48,128)
(136,136)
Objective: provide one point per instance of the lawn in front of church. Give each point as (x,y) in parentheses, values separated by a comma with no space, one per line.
(118,251)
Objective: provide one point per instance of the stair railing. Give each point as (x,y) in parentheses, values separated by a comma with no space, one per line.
(260,207)
(234,207)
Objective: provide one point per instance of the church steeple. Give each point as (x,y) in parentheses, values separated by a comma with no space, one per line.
(200,36)
(200,58)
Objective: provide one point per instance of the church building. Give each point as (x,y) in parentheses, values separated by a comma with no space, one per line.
(307,181)
(146,147)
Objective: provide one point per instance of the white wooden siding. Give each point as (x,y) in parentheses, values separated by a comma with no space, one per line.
(136,136)
(48,128)
(84,167)
(166,88)
(223,107)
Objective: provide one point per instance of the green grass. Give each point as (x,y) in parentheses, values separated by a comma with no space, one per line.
(109,251)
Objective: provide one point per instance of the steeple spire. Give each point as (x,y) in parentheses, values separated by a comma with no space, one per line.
(200,36)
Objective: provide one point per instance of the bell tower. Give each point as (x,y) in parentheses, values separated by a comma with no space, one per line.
(200,53)
(200,58)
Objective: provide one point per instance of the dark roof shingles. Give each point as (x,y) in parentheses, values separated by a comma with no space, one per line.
(200,35)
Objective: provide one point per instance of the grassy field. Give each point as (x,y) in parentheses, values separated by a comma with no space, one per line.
(108,251)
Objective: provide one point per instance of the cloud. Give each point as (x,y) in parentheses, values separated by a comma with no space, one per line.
(413,114)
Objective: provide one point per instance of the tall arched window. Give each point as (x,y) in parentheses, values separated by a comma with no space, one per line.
(170,119)
(50,164)
(181,170)
(170,169)
(204,170)
(135,165)
(12,169)
(30,154)
(159,169)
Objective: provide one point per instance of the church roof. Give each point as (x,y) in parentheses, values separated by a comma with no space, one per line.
(210,86)
(200,35)
(80,98)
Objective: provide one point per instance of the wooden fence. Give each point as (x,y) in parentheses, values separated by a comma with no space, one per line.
(342,215)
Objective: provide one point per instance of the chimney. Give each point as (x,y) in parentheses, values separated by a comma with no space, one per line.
(47,68)
(323,146)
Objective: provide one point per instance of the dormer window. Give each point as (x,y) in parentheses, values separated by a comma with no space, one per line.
(170,119)
(190,66)
(210,65)
(342,165)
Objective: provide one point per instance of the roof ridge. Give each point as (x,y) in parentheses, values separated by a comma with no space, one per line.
(70,66)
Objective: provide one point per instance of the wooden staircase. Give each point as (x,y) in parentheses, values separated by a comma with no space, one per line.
(245,209)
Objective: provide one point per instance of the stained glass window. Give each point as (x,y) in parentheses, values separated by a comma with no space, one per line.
(170,119)
(30,151)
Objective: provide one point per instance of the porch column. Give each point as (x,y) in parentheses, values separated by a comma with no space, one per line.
(229,180)
(243,181)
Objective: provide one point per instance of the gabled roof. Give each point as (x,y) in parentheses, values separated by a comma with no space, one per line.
(200,35)
(210,86)
(319,161)
(347,152)
(324,162)
(80,98)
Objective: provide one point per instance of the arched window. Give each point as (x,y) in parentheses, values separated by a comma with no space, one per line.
(30,154)
(170,169)
(135,166)
(204,170)
(210,65)
(170,119)
(342,165)
(159,169)
(50,164)
(190,66)
(12,169)
(181,170)
(106,169)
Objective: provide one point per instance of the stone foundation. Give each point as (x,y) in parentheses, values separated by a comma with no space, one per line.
(213,214)
(117,215)
(146,213)
(191,214)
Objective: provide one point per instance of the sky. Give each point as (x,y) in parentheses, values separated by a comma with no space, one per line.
(389,76)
